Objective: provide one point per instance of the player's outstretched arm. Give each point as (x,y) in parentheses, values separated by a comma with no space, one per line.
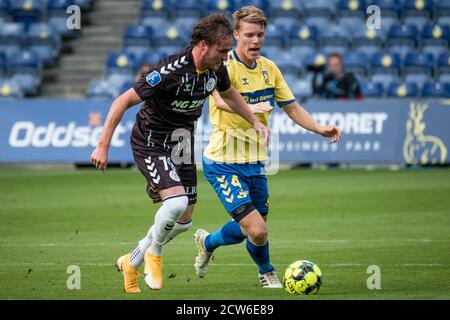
(261,107)
(99,156)
(237,104)
(301,117)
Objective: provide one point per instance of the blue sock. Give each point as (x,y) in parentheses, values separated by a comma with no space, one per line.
(230,233)
(260,254)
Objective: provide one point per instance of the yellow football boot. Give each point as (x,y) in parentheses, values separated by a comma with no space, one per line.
(130,274)
(153,274)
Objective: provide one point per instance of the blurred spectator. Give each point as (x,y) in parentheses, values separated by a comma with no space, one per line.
(335,83)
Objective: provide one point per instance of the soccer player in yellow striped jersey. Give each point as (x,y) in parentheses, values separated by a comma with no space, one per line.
(232,161)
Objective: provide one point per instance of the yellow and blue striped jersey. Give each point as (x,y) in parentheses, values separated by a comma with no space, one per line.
(230,141)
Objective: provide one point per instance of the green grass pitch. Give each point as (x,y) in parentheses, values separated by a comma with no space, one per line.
(344,221)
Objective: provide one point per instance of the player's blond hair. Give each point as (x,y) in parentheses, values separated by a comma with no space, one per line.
(249,14)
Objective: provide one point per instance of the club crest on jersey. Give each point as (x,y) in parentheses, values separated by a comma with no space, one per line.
(174,176)
(265,76)
(211,84)
(153,78)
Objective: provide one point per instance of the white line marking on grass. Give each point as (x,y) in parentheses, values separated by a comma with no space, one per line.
(318,241)
(112,264)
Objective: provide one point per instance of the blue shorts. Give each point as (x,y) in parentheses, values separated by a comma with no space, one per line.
(238,184)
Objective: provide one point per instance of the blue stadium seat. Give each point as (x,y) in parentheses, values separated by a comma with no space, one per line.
(300,87)
(137,40)
(167,50)
(303,36)
(262,4)
(286,63)
(334,39)
(150,57)
(389,8)
(300,52)
(286,22)
(436,90)
(27,11)
(419,63)
(10,89)
(138,36)
(356,63)
(57,16)
(118,80)
(368,41)
(444,78)
(351,8)
(171,36)
(402,39)
(121,62)
(415,8)
(11,37)
(418,78)
(275,35)
(101,89)
(26,69)
(44,40)
(417,21)
(403,90)
(321,23)
(156,22)
(317,58)
(371,89)
(185,23)
(224,6)
(188,8)
(319,9)
(155,8)
(435,39)
(443,64)
(351,24)
(386,63)
(286,8)
(442,12)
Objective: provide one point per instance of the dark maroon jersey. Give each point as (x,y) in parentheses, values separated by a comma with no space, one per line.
(174,93)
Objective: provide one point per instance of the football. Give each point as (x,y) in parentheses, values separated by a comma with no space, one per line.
(302,277)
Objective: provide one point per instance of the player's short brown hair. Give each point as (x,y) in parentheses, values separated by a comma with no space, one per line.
(211,29)
(249,14)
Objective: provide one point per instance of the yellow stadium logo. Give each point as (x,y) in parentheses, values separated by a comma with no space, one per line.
(402,91)
(419,4)
(28,5)
(223,5)
(5,90)
(319,60)
(304,33)
(419,147)
(157,5)
(172,33)
(353,5)
(437,32)
(386,61)
(371,33)
(122,61)
(287,5)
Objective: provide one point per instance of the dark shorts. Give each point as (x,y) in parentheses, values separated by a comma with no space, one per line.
(158,159)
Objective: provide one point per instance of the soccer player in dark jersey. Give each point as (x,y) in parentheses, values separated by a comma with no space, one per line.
(162,140)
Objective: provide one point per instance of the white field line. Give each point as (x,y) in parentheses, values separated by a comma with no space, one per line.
(75,243)
(112,264)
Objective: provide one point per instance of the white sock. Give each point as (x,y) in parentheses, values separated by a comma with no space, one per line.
(180,227)
(165,221)
(137,255)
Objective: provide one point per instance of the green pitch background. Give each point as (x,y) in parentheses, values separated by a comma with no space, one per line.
(344,221)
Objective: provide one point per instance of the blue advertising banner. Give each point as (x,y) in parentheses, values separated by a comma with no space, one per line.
(381,130)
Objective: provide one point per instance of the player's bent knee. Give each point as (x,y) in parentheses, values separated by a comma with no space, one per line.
(177,205)
(258,236)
